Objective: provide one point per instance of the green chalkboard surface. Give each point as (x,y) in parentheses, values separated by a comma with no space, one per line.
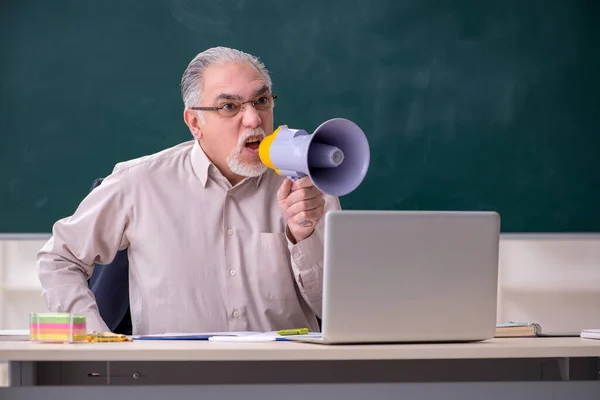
(468,105)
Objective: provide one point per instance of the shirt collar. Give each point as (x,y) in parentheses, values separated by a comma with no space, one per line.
(201,165)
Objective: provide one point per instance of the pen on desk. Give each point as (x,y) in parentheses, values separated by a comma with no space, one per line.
(288,332)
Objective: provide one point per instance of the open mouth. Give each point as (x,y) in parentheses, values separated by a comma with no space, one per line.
(253,143)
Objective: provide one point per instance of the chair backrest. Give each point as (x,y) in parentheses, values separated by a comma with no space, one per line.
(110,285)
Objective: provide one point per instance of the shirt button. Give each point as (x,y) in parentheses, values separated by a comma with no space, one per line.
(296,255)
(236,314)
(230,231)
(232,272)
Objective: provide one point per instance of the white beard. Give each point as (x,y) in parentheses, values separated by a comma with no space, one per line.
(240,167)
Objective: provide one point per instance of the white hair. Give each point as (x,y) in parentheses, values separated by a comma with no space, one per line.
(191,81)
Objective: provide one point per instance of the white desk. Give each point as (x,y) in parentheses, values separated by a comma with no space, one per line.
(507,368)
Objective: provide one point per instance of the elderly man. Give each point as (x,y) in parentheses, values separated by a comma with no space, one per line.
(216,241)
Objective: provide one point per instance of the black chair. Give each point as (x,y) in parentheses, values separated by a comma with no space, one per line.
(110,285)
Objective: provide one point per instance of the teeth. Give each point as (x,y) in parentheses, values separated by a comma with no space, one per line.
(253,140)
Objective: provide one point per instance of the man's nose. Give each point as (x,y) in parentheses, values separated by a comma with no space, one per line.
(250,118)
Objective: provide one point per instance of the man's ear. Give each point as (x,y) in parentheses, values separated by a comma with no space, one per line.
(193,120)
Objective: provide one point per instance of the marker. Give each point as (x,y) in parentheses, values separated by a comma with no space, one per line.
(288,332)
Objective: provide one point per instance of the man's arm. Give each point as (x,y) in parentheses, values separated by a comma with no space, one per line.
(307,260)
(92,235)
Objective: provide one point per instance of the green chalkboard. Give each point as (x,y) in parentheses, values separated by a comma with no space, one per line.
(468,105)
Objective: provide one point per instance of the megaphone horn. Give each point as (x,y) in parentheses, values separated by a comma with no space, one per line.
(336,156)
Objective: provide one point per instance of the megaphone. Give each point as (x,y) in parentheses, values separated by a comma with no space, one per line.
(336,156)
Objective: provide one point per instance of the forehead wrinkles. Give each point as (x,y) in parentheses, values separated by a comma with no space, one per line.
(236,80)
(229,94)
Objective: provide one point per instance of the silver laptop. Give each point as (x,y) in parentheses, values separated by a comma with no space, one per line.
(409,276)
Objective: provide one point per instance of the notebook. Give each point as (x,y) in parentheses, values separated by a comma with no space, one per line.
(14,335)
(244,336)
(272,336)
(590,334)
(190,336)
(411,270)
(517,329)
(526,329)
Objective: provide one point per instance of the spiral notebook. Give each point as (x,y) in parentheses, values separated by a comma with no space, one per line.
(526,329)
(517,329)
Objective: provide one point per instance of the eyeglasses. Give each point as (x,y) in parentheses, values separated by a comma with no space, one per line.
(232,108)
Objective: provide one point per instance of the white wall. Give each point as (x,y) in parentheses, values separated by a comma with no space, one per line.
(20,289)
(550,279)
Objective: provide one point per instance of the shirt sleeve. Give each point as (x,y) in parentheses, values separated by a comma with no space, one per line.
(92,235)
(307,260)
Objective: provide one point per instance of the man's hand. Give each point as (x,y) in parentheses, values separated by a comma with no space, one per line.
(303,205)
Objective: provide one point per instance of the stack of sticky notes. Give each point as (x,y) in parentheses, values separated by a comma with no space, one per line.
(57,328)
